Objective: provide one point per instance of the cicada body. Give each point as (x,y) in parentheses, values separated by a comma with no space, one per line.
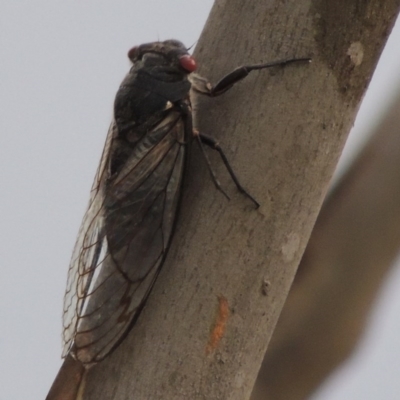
(128,226)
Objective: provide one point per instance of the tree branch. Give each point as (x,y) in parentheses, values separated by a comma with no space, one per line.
(354,242)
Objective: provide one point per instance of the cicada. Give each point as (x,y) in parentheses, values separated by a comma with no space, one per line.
(128,226)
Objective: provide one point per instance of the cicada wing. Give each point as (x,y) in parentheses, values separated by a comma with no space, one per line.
(124,241)
(90,232)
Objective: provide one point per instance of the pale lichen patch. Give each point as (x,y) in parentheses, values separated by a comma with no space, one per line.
(356,53)
(290,247)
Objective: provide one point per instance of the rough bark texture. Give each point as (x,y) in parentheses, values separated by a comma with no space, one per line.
(353,245)
(207,323)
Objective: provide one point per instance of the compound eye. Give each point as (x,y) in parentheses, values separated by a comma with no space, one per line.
(133,53)
(188,63)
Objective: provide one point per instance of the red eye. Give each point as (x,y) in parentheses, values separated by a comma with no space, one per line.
(132,53)
(188,63)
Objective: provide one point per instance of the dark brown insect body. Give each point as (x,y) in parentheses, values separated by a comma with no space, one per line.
(127,229)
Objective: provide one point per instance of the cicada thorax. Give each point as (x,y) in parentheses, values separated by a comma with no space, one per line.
(155,85)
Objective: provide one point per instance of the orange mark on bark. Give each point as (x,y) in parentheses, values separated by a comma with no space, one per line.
(219,326)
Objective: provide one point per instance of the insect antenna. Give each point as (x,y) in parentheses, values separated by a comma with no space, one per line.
(189,48)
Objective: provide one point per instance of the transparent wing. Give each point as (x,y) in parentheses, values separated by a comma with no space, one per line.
(123,239)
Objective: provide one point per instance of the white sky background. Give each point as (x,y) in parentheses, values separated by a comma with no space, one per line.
(61,64)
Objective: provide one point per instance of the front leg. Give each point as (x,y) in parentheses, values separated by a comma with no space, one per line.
(201,85)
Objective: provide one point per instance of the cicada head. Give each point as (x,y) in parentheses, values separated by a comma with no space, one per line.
(170,53)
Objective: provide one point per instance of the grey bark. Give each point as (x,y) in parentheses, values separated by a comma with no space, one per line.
(353,244)
(230,266)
